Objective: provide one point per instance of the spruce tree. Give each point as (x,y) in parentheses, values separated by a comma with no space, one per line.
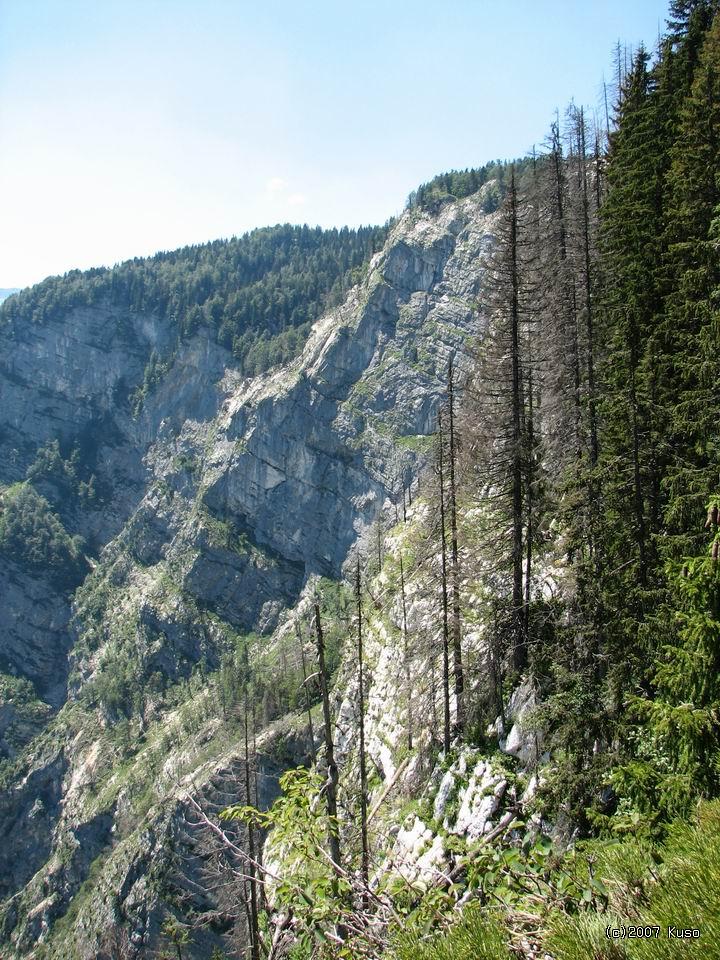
(629,442)
(690,335)
(677,740)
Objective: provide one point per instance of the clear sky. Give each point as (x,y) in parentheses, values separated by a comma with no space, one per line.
(131,126)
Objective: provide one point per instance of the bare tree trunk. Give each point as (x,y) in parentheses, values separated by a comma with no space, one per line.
(530,531)
(520,646)
(262,899)
(311,732)
(254,927)
(433,696)
(456,633)
(445,627)
(598,178)
(406,658)
(559,189)
(331,783)
(365,856)
(607,112)
(530,334)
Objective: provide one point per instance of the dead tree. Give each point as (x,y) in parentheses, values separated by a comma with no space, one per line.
(331,784)
(406,657)
(249,798)
(513,255)
(308,707)
(456,629)
(443,571)
(365,856)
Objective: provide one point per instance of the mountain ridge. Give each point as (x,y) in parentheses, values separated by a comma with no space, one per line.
(208,521)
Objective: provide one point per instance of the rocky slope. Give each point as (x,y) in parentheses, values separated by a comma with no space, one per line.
(219,502)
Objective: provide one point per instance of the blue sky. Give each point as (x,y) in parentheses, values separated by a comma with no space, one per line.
(129,126)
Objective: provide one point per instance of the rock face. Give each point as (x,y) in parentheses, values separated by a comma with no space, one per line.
(518,736)
(36,636)
(218,499)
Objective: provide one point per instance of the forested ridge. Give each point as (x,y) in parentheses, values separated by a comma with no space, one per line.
(456,184)
(258,294)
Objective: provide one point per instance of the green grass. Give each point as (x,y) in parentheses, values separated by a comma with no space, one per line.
(676,886)
(476,936)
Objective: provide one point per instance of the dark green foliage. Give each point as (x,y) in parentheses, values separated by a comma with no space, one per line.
(49,464)
(660,405)
(689,338)
(597,405)
(16,690)
(155,371)
(630,663)
(67,479)
(119,686)
(33,536)
(593,448)
(457,184)
(257,293)
(629,462)
(676,755)
(660,266)
(609,268)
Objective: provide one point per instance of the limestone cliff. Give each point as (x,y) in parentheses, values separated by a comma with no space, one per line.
(217,501)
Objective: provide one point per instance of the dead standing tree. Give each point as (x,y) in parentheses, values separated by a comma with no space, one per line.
(444,588)
(331,784)
(455,566)
(365,852)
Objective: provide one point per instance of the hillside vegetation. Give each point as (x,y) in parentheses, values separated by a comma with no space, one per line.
(258,294)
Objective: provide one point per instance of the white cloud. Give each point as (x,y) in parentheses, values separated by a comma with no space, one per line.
(276,185)
(296,199)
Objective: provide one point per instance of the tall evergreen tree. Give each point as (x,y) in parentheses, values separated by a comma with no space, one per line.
(677,740)
(690,336)
(632,305)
